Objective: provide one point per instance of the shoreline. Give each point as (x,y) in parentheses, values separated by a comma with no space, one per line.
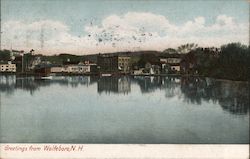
(27,74)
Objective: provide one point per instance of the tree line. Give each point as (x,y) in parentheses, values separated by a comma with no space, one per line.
(230,61)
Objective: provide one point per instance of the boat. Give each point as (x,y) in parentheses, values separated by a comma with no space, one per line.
(106,74)
(46,77)
(43,78)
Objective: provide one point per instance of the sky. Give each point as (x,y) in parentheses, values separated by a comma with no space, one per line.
(99,26)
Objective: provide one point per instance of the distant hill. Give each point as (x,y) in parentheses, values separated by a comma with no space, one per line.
(93,57)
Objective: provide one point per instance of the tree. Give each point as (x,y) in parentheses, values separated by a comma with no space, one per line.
(145,58)
(187,48)
(206,61)
(4,55)
(170,51)
(234,61)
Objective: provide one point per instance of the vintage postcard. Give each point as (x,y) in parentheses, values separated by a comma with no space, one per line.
(124,79)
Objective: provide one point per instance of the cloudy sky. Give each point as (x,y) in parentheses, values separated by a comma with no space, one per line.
(93,26)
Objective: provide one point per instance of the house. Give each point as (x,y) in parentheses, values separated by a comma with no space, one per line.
(170,63)
(155,69)
(138,71)
(151,68)
(56,69)
(90,67)
(77,69)
(72,69)
(7,67)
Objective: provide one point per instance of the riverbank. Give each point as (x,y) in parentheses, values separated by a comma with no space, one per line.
(117,75)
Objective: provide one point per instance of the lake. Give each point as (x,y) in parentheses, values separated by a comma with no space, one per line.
(136,110)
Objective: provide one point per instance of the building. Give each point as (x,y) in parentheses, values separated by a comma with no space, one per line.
(77,69)
(124,64)
(107,64)
(7,67)
(113,64)
(171,63)
(89,67)
(138,71)
(56,69)
(171,60)
(70,69)
(155,69)
(151,68)
(14,53)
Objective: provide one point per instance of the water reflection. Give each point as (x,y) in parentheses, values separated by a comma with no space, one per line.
(150,84)
(114,84)
(233,97)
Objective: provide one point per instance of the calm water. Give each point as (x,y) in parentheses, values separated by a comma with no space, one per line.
(123,110)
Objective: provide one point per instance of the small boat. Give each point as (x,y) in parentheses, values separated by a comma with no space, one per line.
(106,74)
(43,78)
(46,77)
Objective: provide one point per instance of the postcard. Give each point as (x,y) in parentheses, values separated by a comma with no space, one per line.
(124,79)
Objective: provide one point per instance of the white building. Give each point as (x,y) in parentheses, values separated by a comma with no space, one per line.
(176,68)
(138,72)
(77,69)
(8,67)
(56,69)
(171,64)
(85,68)
(170,60)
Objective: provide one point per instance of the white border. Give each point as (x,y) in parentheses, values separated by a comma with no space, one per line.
(93,151)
